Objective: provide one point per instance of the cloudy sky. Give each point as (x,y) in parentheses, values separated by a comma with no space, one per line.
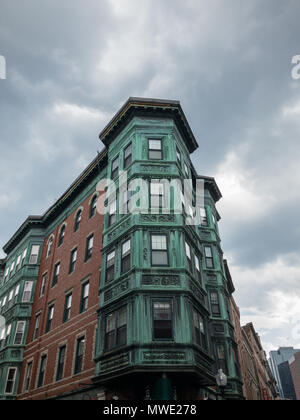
(72,64)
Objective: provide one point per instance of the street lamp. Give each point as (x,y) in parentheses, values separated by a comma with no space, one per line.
(221,379)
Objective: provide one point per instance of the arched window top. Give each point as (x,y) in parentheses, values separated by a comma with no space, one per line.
(49,245)
(78,216)
(62,234)
(93,205)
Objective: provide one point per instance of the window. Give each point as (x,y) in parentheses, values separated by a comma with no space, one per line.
(115,168)
(127,156)
(126,201)
(110,266)
(199,329)
(126,256)
(3,303)
(162,320)
(68,304)
(93,206)
(84,297)
(20,332)
(112,213)
(157,195)
(116,329)
(61,235)
(221,357)
(11,269)
(89,247)
(34,254)
(16,294)
(155,150)
(198,270)
(77,220)
(186,169)
(189,257)
(18,262)
(10,380)
(42,371)
(24,257)
(49,248)
(27,377)
(27,291)
(36,326)
(79,355)
(10,296)
(43,285)
(7,335)
(49,318)
(61,363)
(2,336)
(203,216)
(208,257)
(215,304)
(178,154)
(6,274)
(56,274)
(159,250)
(73,259)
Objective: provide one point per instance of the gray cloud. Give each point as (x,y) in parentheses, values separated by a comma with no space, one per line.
(70,66)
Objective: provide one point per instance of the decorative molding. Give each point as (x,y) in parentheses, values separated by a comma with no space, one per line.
(151,357)
(153,168)
(159,218)
(148,280)
(115,362)
(117,290)
(118,231)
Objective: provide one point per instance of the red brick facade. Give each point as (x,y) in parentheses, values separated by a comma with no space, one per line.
(79,324)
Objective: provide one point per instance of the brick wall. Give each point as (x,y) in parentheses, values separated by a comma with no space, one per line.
(79,324)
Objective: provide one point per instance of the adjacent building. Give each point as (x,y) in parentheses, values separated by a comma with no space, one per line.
(133,303)
(266,380)
(283,354)
(294,363)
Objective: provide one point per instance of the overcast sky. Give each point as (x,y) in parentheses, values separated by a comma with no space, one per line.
(72,64)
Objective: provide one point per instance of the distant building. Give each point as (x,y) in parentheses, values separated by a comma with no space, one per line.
(294,363)
(251,389)
(267,382)
(283,354)
(286,381)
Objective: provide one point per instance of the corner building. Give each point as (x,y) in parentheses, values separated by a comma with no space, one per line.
(164,323)
(129,305)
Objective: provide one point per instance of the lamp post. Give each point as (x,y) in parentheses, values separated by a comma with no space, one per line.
(221,379)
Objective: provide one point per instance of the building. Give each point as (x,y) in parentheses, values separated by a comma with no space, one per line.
(251,386)
(294,363)
(287,381)
(128,304)
(266,380)
(283,354)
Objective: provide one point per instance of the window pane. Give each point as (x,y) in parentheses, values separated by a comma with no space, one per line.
(159,258)
(155,144)
(159,242)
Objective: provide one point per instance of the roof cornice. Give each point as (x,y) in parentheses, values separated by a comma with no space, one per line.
(154,108)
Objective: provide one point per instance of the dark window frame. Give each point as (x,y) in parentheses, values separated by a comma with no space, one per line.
(126,258)
(215,304)
(115,171)
(93,206)
(209,260)
(73,261)
(111,267)
(49,320)
(155,150)
(79,357)
(61,363)
(62,234)
(42,370)
(155,322)
(156,250)
(77,221)
(127,159)
(119,333)
(88,249)
(84,300)
(67,309)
